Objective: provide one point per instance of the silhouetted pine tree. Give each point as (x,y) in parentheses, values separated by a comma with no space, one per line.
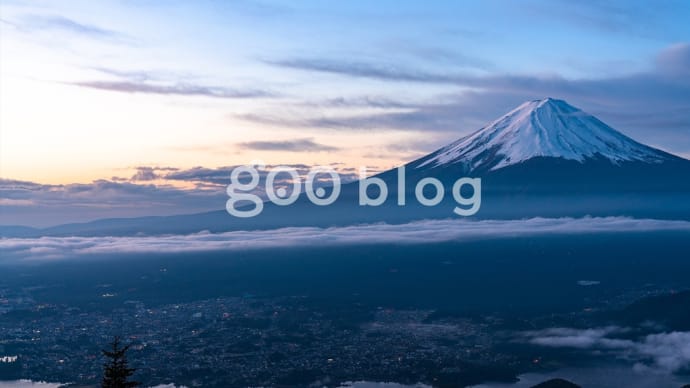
(116,372)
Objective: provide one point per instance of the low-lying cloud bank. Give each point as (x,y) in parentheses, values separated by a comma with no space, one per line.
(669,352)
(419,232)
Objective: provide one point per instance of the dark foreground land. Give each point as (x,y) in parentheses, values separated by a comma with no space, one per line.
(444,314)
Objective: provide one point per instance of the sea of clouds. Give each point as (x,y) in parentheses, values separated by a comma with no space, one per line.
(419,232)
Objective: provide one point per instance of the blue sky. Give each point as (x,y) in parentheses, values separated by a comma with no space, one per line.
(94,93)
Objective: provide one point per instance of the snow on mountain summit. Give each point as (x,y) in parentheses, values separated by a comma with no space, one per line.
(547,128)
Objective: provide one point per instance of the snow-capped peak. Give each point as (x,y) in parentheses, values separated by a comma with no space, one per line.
(547,127)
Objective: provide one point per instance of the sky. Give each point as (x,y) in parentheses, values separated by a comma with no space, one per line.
(125,108)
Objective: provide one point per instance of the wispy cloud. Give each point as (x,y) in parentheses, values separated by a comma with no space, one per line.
(359,102)
(297,145)
(63,23)
(382,71)
(181,89)
(216,176)
(421,232)
(455,113)
(165,82)
(221,175)
(442,56)
(34,22)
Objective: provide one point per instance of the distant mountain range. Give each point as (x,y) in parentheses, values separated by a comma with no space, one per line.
(544,158)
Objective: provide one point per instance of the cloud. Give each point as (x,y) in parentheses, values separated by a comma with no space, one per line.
(164,82)
(221,175)
(381,102)
(419,232)
(62,23)
(381,71)
(298,145)
(577,338)
(439,55)
(588,283)
(669,352)
(29,203)
(152,190)
(16,202)
(180,89)
(55,27)
(133,75)
(218,176)
(148,173)
(458,113)
(145,174)
(675,60)
(28,384)
(97,194)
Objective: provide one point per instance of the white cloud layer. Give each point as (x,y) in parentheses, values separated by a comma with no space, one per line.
(419,232)
(669,352)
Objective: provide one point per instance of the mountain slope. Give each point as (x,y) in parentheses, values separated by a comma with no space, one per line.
(541,128)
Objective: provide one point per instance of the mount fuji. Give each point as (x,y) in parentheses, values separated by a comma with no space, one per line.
(549,158)
(542,128)
(544,158)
